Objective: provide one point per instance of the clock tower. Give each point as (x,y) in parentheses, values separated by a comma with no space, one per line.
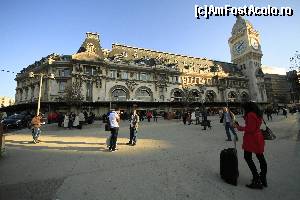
(246,52)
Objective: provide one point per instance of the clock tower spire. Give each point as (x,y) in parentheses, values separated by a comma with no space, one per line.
(246,52)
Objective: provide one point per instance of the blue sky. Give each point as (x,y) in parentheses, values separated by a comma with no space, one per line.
(33,29)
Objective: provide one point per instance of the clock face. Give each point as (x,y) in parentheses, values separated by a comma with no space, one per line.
(239,47)
(254,43)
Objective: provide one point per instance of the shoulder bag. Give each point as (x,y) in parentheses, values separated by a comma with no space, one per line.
(268,133)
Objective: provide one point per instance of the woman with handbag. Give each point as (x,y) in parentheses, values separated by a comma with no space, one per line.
(253,142)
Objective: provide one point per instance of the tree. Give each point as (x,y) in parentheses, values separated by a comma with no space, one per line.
(73,95)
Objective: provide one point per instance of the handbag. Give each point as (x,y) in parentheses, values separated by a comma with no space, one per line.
(268,133)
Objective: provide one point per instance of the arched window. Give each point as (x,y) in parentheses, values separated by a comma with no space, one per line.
(232,96)
(210,96)
(144,95)
(178,95)
(244,97)
(162,98)
(194,95)
(119,95)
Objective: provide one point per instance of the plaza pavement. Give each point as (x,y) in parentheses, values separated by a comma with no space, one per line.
(170,161)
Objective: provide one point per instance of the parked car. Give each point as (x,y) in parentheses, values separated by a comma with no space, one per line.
(16,121)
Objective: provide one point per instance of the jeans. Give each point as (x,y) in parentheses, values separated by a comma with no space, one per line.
(251,164)
(133,135)
(114,136)
(36,133)
(227,127)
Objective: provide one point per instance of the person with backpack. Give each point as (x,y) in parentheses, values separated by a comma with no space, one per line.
(133,127)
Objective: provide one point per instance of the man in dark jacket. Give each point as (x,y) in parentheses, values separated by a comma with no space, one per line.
(204,119)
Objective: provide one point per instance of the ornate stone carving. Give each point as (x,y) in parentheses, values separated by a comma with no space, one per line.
(131,84)
(90,48)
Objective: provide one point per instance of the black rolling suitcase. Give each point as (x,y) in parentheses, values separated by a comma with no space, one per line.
(229,170)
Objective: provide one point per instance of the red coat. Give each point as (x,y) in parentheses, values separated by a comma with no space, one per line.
(253,140)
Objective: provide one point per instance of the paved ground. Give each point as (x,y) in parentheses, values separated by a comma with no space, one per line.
(171,161)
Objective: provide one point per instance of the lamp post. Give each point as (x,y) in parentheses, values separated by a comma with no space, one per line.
(295,76)
(32,75)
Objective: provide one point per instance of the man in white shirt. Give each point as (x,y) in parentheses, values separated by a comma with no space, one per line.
(114,119)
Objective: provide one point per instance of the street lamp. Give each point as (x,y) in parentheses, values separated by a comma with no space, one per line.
(32,75)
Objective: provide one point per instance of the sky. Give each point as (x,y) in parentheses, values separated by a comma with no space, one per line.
(32,29)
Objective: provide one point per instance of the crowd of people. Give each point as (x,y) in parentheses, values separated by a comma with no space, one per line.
(72,120)
(253,141)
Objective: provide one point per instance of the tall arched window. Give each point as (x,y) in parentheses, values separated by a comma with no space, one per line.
(177,95)
(119,95)
(144,95)
(194,95)
(232,96)
(244,97)
(210,96)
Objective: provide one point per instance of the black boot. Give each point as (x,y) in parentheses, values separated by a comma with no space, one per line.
(255,184)
(263,179)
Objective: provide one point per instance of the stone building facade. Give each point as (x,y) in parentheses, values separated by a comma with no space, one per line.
(131,74)
(6,101)
(277,88)
(293,78)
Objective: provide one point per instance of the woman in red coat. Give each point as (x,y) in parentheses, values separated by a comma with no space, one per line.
(253,142)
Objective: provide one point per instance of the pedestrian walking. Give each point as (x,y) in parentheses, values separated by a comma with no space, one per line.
(60,119)
(269,113)
(114,119)
(197,115)
(36,124)
(76,122)
(189,118)
(228,119)
(284,112)
(66,121)
(71,120)
(81,118)
(133,127)
(193,117)
(149,116)
(184,117)
(253,142)
(204,122)
(155,116)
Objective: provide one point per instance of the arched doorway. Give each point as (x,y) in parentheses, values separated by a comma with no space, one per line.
(210,96)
